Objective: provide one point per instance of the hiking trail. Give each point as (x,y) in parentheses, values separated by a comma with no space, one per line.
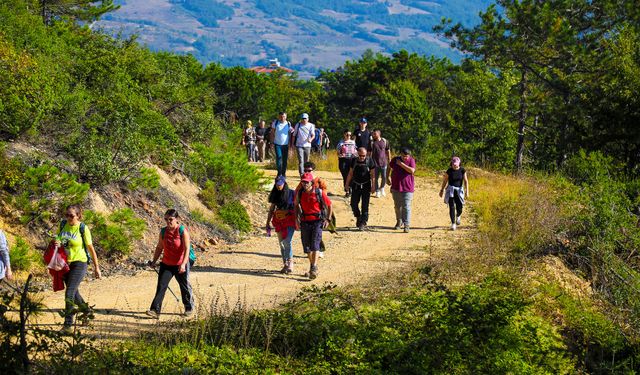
(248,272)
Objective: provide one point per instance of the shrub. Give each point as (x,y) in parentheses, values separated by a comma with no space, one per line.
(115,233)
(11,172)
(147,178)
(45,190)
(234,214)
(22,256)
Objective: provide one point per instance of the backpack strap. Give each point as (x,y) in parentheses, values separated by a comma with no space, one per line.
(82,229)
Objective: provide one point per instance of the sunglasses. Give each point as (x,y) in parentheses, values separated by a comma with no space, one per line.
(169,219)
(69,215)
(308,170)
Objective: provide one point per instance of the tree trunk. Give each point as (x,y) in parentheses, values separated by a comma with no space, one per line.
(522,120)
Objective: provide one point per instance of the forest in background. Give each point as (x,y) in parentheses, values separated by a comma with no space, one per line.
(550,90)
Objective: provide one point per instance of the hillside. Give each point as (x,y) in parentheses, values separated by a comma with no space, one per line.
(306,36)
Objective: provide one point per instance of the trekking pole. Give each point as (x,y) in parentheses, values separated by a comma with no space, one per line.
(168,287)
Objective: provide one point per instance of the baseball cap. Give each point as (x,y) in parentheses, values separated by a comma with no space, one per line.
(308,177)
(363,120)
(280,180)
(304,115)
(455,161)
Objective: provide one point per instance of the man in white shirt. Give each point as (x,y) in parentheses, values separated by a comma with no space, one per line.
(280,136)
(303,134)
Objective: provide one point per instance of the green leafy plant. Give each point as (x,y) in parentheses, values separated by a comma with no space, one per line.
(147,178)
(115,233)
(23,257)
(234,214)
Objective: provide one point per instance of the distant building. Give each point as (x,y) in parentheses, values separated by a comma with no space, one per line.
(274,65)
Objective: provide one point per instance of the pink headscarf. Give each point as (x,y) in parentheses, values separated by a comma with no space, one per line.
(455,161)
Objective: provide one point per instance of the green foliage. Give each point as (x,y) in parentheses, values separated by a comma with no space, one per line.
(148,179)
(11,172)
(115,233)
(44,191)
(235,215)
(22,256)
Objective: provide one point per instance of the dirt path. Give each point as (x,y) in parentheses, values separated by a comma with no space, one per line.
(249,270)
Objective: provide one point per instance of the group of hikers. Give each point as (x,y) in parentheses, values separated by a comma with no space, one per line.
(261,141)
(366,166)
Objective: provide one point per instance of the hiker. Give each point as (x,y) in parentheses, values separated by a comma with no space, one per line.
(324,144)
(313,213)
(174,244)
(317,141)
(455,194)
(346,152)
(381,154)
(280,136)
(261,140)
(282,216)
(303,135)
(400,178)
(249,140)
(361,181)
(362,135)
(75,236)
(5,262)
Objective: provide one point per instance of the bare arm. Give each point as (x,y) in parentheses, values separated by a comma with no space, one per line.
(96,265)
(407,168)
(466,186)
(445,181)
(156,254)
(272,208)
(186,243)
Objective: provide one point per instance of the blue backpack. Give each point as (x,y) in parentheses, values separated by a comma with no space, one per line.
(316,140)
(192,253)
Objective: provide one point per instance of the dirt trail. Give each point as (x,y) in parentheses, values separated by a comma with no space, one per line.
(249,270)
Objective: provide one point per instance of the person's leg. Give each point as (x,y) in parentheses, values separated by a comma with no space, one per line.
(283,247)
(406,209)
(72,279)
(452,210)
(459,205)
(185,289)
(383,178)
(165,274)
(307,155)
(300,153)
(279,157)
(305,236)
(366,196)
(397,206)
(316,238)
(285,159)
(378,175)
(289,249)
(356,192)
(261,145)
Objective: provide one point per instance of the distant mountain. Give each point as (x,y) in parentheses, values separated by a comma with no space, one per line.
(304,35)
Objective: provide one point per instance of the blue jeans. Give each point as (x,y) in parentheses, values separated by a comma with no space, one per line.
(402,205)
(381,172)
(285,244)
(282,153)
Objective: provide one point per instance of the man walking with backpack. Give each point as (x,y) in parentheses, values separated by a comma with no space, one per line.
(304,135)
(362,135)
(381,155)
(360,180)
(313,210)
(280,136)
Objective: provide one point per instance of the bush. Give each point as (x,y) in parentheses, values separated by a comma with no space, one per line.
(147,178)
(45,190)
(234,214)
(115,233)
(22,256)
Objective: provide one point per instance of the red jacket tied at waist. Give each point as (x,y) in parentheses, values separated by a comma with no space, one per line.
(57,275)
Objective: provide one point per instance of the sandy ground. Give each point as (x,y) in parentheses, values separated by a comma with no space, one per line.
(248,272)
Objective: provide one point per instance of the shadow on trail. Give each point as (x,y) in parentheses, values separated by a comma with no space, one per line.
(248,253)
(239,271)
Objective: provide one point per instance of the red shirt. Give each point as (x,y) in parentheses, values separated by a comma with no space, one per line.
(173,254)
(311,206)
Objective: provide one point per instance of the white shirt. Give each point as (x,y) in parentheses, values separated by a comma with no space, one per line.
(304,134)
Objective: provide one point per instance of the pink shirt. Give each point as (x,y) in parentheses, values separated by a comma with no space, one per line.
(401,180)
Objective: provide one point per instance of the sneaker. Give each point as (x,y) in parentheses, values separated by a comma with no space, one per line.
(153,314)
(382,192)
(320,254)
(406,229)
(66,330)
(453,226)
(378,193)
(313,273)
(289,267)
(284,269)
(398,225)
(458,220)
(188,313)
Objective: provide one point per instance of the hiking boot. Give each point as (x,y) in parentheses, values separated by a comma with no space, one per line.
(313,272)
(398,225)
(406,229)
(66,330)
(453,226)
(458,220)
(153,314)
(284,269)
(188,313)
